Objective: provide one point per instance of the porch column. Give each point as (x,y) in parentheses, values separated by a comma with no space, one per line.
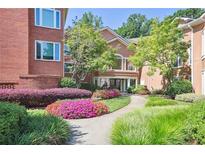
(124,81)
(128,83)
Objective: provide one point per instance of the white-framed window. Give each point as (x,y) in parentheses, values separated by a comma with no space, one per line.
(68,67)
(190,56)
(49,18)
(45,50)
(203,44)
(178,62)
(118,64)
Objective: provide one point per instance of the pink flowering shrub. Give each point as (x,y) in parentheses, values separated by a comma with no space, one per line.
(39,98)
(77,109)
(106,94)
(101,108)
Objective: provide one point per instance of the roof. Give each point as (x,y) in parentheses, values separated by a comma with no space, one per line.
(133,40)
(118,37)
(194,22)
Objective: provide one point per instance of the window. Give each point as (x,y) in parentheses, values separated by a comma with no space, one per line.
(68,67)
(129,66)
(190,56)
(118,63)
(49,18)
(203,43)
(66,50)
(178,62)
(47,50)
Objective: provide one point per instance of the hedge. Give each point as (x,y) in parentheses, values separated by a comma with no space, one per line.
(13,121)
(41,98)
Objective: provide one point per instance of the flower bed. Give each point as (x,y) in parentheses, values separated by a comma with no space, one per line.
(106,94)
(39,98)
(76,109)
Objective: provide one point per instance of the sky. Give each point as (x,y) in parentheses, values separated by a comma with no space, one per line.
(114,17)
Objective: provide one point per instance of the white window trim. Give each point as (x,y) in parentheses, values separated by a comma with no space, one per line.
(54,10)
(70,62)
(178,66)
(54,60)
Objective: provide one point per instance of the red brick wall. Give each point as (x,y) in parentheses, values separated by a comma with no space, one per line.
(45,34)
(13,43)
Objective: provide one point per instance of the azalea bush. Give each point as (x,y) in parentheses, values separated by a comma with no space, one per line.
(106,94)
(77,109)
(38,98)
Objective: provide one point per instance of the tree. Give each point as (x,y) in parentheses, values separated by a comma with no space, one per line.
(89,51)
(137,25)
(89,19)
(188,13)
(161,49)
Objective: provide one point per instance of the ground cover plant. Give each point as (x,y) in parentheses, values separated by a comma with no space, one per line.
(160,101)
(77,109)
(39,98)
(86,108)
(179,124)
(106,94)
(44,129)
(17,126)
(189,97)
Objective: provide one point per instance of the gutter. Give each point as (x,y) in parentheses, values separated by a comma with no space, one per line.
(192,54)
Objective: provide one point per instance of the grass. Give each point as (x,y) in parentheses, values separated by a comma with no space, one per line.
(176,124)
(117,103)
(159,125)
(44,129)
(160,101)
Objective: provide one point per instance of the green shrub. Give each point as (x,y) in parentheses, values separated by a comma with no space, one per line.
(189,97)
(13,120)
(178,87)
(140,89)
(195,124)
(157,92)
(89,86)
(67,82)
(151,126)
(130,89)
(44,129)
(160,101)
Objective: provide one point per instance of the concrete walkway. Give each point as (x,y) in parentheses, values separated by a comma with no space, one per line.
(97,130)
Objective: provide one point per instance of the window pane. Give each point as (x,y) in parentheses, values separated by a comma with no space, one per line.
(48,51)
(57,51)
(38,50)
(37,16)
(117,63)
(57,19)
(48,18)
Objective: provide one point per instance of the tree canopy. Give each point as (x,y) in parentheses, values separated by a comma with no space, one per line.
(89,19)
(137,25)
(161,49)
(188,13)
(89,51)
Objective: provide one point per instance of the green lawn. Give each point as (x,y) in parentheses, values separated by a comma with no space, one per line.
(117,103)
(176,124)
(160,101)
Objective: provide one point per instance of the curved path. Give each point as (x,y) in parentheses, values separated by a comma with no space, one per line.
(97,130)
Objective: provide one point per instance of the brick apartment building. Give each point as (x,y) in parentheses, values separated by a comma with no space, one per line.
(194,31)
(31,47)
(124,74)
